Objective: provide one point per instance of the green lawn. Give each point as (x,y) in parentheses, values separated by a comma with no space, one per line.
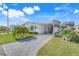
(8,38)
(56,47)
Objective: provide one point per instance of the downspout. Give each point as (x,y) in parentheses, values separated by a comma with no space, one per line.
(53,29)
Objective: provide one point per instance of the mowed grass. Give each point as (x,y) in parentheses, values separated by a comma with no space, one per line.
(56,47)
(8,38)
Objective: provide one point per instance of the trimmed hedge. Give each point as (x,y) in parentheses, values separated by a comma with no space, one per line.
(33,32)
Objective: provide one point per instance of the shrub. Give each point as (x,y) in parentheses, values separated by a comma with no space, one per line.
(3,29)
(19,31)
(33,32)
(68,34)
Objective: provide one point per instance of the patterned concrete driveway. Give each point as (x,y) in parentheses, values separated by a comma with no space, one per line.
(26,47)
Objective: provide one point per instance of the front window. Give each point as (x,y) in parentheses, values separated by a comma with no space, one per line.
(31,27)
(35,27)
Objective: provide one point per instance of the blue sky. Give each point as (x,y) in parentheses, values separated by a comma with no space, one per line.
(20,13)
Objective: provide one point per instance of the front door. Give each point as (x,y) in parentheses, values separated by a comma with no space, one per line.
(50,29)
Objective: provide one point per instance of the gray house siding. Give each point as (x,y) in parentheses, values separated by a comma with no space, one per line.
(41,27)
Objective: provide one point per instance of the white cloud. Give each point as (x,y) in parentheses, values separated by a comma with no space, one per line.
(1,9)
(15,4)
(36,8)
(24,19)
(63,7)
(20,20)
(0,4)
(57,8)
(4,12)
(28,10)
(20,13)
(76,11)
(12,13)
(5,6)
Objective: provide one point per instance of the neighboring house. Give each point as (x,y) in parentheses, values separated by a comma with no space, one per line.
(41,27)
(77,28)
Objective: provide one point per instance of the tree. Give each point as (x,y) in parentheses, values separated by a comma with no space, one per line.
(68,35)
(68,23)
(19,31)
(3,29)
(71,23)
(65,24)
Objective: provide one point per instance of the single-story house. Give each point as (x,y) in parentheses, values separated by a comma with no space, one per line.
(41,27)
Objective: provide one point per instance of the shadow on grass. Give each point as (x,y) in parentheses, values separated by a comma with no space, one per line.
(26,39)
(75,40)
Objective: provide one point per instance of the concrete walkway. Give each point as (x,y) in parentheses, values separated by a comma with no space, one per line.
(27,47)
